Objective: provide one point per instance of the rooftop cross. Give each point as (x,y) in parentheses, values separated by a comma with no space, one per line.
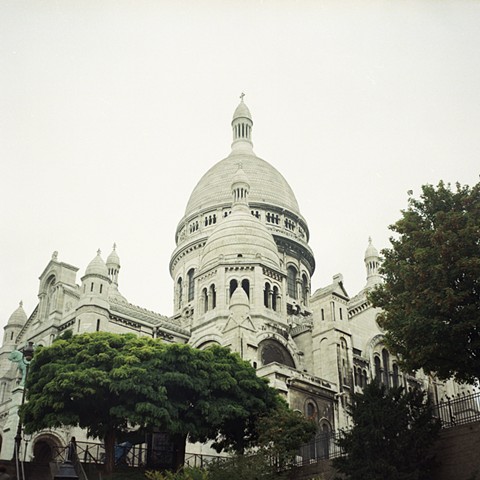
(241,96)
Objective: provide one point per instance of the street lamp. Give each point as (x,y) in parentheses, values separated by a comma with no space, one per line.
(27,355)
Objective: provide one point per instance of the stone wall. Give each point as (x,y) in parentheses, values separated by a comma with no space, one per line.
(457,453)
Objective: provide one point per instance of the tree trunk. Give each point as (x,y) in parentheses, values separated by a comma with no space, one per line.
(109,451)
(179,442)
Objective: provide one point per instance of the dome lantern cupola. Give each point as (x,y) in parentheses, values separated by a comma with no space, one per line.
(372,264)
(113,265)
(242,127)
(240,188)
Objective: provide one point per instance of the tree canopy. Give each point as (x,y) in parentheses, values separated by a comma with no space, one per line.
(431,294)
(109,383)
(392,433)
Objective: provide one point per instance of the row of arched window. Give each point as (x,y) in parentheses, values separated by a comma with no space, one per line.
(209,298)
(271,293)
(210,220)
(383,374)
(190,288)
(271,296)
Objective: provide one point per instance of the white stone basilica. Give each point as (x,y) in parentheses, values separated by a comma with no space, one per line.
(242,270)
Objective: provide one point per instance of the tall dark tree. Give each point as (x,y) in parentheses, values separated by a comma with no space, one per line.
(431,294)
(391,438)
(108,383)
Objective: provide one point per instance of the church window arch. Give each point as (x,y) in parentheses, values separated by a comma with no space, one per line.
(205,300)
(191,284)
(233,286)
(365,377)
(212,296)
(275,298)
(91,286)
(378,368)
(304,289)
(272,351)
(311,410)
(179,292)
(266,295)
(292,281)
(246,286)
(386,367)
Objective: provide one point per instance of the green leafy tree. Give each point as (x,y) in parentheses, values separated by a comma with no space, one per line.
(283,431)
(109,384)
(431,294)
(391,438)
(100,382)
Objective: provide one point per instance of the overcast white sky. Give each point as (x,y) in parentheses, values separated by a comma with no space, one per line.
(110,112)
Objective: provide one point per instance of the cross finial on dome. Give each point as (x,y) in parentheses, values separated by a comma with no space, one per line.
(241,96)
(99,252)
(114,246)
(369,240)
(21,303)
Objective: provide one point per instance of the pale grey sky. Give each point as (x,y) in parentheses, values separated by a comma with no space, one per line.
(110,112)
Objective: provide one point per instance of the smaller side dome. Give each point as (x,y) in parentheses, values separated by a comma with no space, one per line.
(371,251)
(113,259)
(239,297)
(18,317)
(97,266)
(242,111)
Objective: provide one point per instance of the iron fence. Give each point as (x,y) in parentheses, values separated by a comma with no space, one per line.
(324,447)
(458,410)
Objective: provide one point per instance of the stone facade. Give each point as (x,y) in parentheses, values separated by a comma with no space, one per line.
(242,270)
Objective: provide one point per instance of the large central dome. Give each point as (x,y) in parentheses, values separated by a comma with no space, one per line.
(267,184)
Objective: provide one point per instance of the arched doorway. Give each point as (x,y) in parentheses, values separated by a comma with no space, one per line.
(45,448)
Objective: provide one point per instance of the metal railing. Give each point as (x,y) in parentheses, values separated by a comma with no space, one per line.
(458,410)
(324,447)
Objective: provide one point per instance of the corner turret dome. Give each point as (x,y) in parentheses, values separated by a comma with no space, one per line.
(113,259)
(242,111)
(18,317)
(97,266)
(371,251)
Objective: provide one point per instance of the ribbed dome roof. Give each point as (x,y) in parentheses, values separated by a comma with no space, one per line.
(371,251)
(240,237)
(239,297)
(18,317)
(267,185)
(242,111)
(113,258)
(97,266)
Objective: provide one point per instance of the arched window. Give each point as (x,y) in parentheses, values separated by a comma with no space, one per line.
(246,287)
(272,351)
(378,369)
(213,296)
(365,377)
(266,295)
(311,410)
(274,298)
(205,300)
(233,286)
(292,281)
(304,289)
(191,284)
(179,292)
(386,368)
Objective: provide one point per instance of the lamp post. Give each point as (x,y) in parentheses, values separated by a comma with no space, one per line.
(27,353)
